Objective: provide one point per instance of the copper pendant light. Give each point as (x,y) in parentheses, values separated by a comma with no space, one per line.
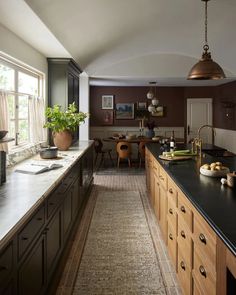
(206,68)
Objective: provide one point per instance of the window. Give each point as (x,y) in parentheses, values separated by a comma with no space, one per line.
(19,83)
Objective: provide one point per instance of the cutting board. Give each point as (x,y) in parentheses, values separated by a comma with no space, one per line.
(179,158)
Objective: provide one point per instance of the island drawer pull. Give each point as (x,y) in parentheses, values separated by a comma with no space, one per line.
(170,191)
(202,238)
(182,265)
(182,208)
(182,233)
(39,218)
(202,271)
(170,236)
(171,211)
(51,203)
(24,238)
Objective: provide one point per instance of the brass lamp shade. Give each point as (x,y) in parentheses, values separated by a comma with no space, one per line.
(206,69)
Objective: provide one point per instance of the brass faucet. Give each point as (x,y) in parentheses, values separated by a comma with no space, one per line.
(213,132)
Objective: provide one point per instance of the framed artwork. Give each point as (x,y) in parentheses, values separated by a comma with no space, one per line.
(124,111)
(159,112)
(141,105)
(107,102)
(108,117)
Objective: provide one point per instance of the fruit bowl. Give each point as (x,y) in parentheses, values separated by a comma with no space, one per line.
(3,133)
(214,173)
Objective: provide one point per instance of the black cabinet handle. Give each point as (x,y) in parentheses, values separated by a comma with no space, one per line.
(51,204)
(182,265)
(170,236)
(182,208)
(39,218)
(202,238)
(3,268)
(202,271)
(182,233)
(24,238)
(171,211)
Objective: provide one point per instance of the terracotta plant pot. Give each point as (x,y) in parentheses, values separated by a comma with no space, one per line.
(62,140)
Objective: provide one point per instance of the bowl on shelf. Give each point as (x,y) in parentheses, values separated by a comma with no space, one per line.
(3,133)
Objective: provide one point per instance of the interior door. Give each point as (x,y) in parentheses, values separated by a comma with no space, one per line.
(199,112)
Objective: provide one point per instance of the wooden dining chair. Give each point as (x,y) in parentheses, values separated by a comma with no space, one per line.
(98,147)
(124,152)
(141,152)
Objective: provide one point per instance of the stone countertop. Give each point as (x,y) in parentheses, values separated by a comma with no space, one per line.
(21,194)
(216,202)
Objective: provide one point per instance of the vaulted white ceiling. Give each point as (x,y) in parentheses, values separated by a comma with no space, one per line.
(129,42)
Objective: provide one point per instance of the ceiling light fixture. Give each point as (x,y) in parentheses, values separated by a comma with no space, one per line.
(153,107)
(206,68)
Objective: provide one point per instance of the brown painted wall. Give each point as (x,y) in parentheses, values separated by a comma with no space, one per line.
(172,98)
(174,101)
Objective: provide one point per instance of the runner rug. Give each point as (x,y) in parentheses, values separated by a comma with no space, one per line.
(119,256)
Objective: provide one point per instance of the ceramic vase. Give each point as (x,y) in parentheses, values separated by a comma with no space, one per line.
(62,140)
(150,133)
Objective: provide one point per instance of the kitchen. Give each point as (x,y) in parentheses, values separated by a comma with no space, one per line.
(109,70)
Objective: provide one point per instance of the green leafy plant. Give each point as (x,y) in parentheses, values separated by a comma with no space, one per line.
(59,120)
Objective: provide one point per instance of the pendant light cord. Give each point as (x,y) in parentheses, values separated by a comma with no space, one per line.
(206,42)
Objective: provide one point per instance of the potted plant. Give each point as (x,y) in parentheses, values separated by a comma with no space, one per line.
(150,125)
(63,123)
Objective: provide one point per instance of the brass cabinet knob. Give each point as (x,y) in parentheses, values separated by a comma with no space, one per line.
(202,271)
(202,238)
(182,265)
(170,191)
(170,236)
(182,233)
(182,208)
(171,211)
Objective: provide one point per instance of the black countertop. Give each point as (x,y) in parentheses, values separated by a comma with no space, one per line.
(216,202)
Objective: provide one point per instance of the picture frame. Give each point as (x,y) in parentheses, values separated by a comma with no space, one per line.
(108,117)
(124,111)
(141,105)
(159,113)
(107,102)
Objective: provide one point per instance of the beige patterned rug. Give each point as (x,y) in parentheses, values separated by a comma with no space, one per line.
(119,256)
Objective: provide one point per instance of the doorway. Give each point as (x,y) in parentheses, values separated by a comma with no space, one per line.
(199,112)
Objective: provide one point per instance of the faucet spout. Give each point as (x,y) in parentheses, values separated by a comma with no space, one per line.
(213,132)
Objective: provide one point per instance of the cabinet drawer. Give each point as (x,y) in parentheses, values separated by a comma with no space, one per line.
(204,275)
(172,214)
(6,263)
(172,244)
(184,240)
(30,230)
(184,274)
(55,198)
(184,210)
(204,239)
(163,177)
(172,190)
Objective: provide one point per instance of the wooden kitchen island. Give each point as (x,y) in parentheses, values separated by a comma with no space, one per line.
(39,214)
(197,217)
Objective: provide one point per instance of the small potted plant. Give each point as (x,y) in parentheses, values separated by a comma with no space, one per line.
(150,125)
(63,123)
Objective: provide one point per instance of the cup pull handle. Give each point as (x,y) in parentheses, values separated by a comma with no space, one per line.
(170,236)
(171,211)
(170,191)
(182,233)
(182,208)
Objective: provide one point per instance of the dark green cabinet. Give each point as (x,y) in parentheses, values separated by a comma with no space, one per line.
(63,83)
(28,264)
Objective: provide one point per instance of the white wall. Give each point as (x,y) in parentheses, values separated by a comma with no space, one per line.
(226,139)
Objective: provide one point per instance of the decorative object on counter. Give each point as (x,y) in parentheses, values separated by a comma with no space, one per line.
(206,68)
(3,133)
(150,133)
(107,102)
(49,153)
(231,179)
(215,169)
(63,123)
(124,111)
(34,168)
